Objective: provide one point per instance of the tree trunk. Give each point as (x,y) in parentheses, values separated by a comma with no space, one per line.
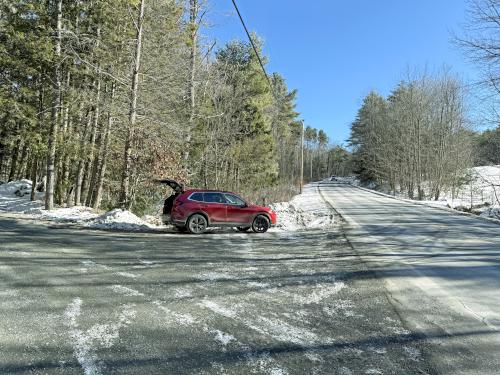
(89,180)
(51,155)
(103,154)
(64,157)
(34,171)
(127,168)
(13,163)
(81,163)
(193,28)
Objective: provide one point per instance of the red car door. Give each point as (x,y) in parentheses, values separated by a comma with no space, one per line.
(238,211)
(215,207)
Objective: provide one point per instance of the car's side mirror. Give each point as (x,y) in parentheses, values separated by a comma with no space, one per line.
(244,205)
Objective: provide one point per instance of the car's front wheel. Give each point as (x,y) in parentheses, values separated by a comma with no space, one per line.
(243,229)
(197,224)
(260,224)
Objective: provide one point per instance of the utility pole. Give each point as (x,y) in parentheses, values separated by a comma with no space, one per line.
(301,159)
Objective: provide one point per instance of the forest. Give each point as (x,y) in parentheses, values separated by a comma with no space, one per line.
(98,99)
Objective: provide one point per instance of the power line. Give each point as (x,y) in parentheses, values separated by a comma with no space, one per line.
(254,48)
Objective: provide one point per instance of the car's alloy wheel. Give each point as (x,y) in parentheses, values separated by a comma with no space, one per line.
(197,224)
(243,229)
(260,224)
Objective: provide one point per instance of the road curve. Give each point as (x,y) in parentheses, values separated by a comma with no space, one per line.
(442,272)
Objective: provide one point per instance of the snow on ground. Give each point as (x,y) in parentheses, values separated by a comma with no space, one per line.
(15,198)
(480,194)
(119,219)
(305,211)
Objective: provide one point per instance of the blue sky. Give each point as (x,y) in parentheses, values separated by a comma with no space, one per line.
(334,52)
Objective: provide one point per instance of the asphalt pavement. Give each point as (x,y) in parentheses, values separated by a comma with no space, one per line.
(75,301)
(441,271)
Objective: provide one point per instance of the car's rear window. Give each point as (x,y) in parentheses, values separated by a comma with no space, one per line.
(198,197)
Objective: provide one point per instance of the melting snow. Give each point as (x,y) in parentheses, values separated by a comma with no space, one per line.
(121,220)
(305,211)
(87,342)
(223,338)
(120,289)
(228,313)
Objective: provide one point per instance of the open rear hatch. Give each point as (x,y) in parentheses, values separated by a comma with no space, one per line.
(177,187)
(169,202)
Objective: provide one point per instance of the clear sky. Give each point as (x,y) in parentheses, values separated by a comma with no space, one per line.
(335,51)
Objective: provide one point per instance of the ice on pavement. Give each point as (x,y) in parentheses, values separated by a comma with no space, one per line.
(305,211)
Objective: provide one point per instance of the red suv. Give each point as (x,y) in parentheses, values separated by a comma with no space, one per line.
(195,210)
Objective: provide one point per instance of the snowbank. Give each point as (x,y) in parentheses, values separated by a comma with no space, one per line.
(479,194)
(120,220)
(305,211)
(14,198)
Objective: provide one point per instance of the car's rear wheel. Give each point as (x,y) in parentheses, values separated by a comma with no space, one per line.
(260,224)
(197,224)
(243,229)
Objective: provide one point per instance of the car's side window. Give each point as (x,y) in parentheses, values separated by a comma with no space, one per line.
(234,200)
(198,197)
(213,198)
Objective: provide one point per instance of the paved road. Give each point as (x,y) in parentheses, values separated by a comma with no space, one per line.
(82,302)
(442,271)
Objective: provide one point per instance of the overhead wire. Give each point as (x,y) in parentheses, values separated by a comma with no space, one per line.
(254,48)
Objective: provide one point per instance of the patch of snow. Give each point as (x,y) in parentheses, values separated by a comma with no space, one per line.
(87,343)
(214,276)
(305,211)
(223,338)
(256,284)
(127,274)
(413,353)
(93,265)
(14,198)
(73,311)
(313,356)
(228,313)
(121,220)
(318,293)
(283,331)
(181,319)
(182,293)
(480,194)
(120,289)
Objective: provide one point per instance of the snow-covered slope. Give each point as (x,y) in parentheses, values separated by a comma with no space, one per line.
(305,211)
(14,198)
(480,194)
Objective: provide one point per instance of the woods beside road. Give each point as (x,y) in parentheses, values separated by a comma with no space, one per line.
(100,98)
